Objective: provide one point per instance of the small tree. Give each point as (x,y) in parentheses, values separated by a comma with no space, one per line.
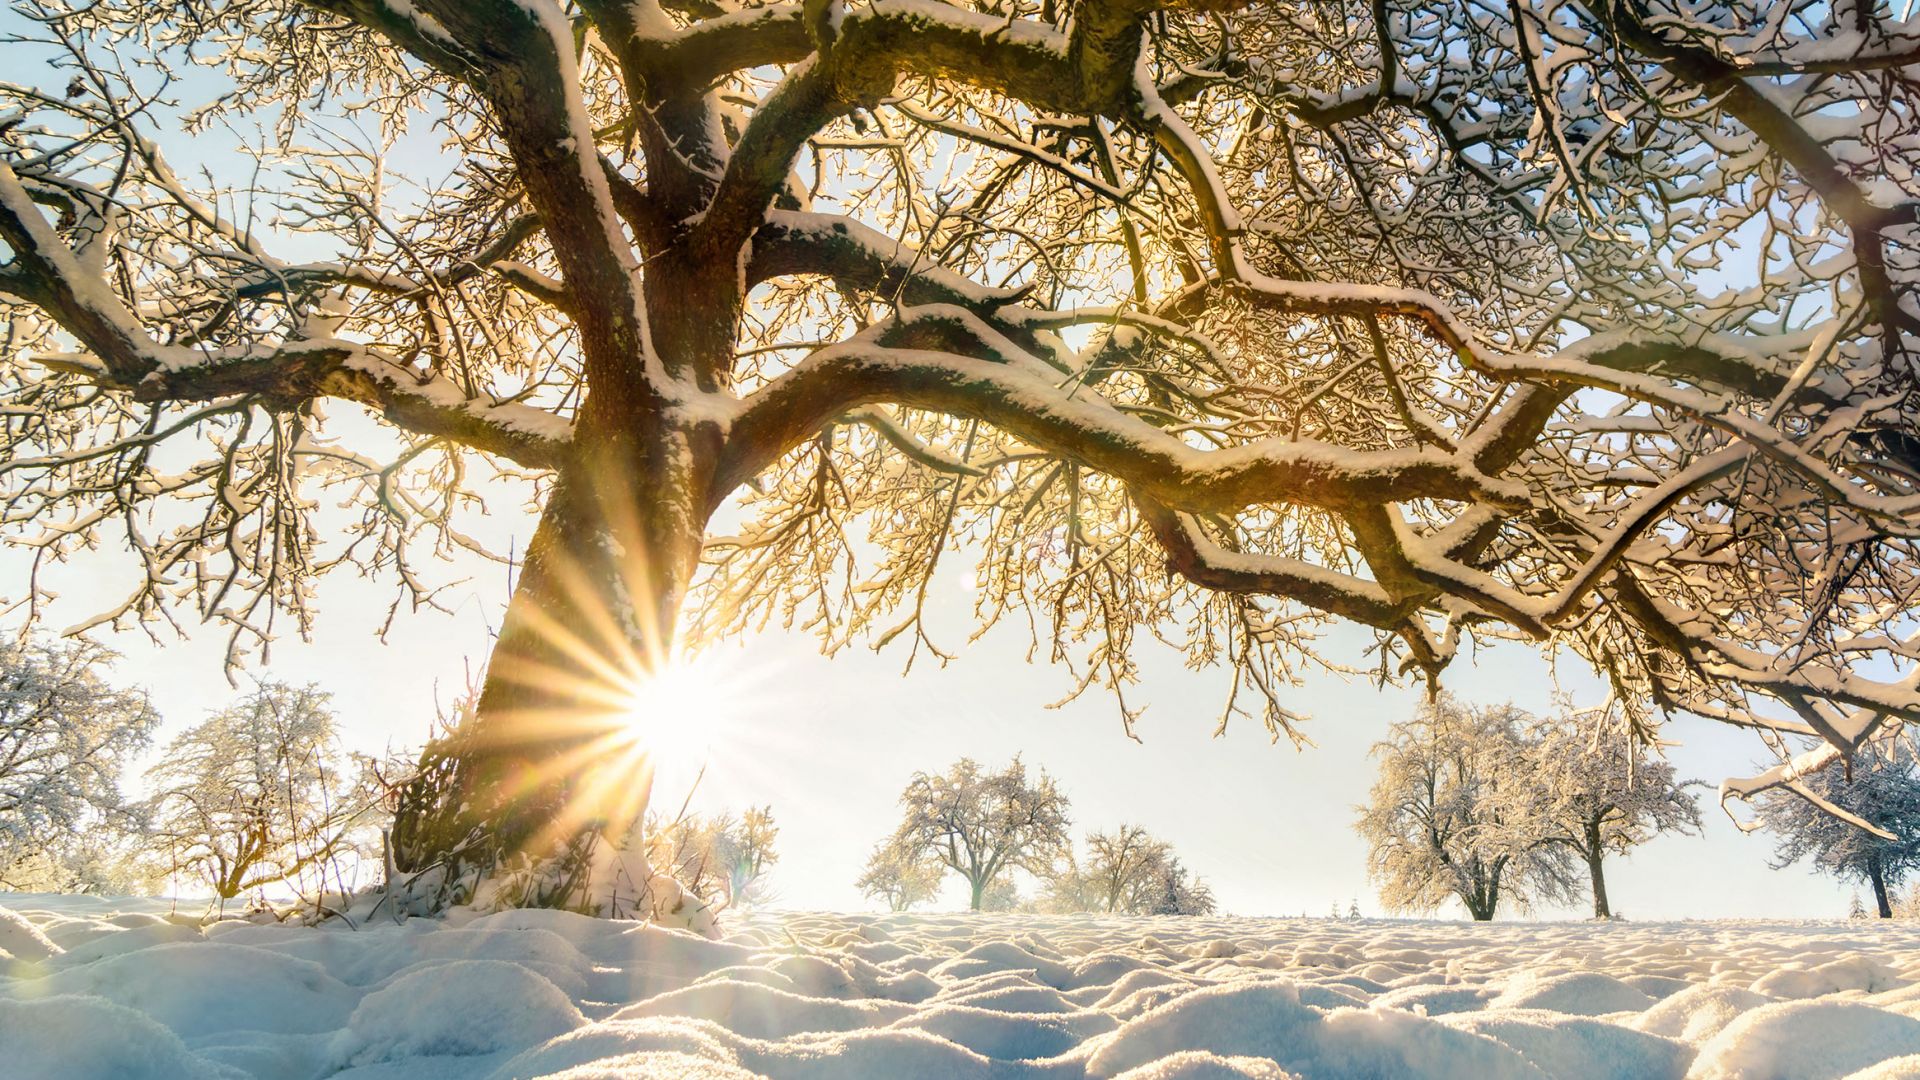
(259,793)
(1175,893)
(1596,796)
(983,824)
(1128,871)
(65,734)
(1449,817)
(1125,867)
(898,877)
(1883,790)
(721,855)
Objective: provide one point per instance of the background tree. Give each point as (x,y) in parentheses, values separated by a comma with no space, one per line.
(260,794)
(65,736)
(1002,895)
(1597,792)
(1125,867)
(1450,815)
(110,858)
(1428,320)
(899,878)
(983,824)
(1883,790)
(1126,871)
(721,856)
(1177,893)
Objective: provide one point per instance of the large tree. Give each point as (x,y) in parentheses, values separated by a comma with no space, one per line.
(1596,792)
(1453,814)
(1880,786)
(1585,322)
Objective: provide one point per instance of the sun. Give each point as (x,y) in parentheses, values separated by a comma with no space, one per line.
(679,714)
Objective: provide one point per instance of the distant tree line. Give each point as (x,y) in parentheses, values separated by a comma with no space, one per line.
(1491,806)
(258,797)
(982,825)
(258,794)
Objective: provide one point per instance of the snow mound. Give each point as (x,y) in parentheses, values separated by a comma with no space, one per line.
(1269,1020)
(1583,993)
(60,1037)
(1806,1040)
(1697,1013)
(765,1012)
(135,993)
(1850,973)
(202,988)
(664,1066)
(1564,1047)
(1900,1068)
(456,1008)
(1200,1065)
(21,940)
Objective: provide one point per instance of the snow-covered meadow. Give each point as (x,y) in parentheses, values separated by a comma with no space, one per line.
(99,989)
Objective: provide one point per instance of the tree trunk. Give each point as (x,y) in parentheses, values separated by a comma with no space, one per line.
(1595,853)
(979,892)
(1601,909)
(1878,875)
(544,768)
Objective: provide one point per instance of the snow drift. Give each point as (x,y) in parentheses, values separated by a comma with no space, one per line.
(127,990)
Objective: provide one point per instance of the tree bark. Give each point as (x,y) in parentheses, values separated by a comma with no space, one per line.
(1601,909)
(592,615)
(1595,854)
(979,892)
(1878,876)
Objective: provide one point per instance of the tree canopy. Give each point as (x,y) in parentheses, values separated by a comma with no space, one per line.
(1588,323)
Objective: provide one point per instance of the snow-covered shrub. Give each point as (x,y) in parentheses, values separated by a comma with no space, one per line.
(721,855)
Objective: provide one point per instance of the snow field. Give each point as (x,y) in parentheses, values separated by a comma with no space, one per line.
(128,991)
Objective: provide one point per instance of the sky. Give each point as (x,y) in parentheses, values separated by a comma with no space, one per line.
(830,742)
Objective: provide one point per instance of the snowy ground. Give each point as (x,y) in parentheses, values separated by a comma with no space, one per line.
(100,989)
